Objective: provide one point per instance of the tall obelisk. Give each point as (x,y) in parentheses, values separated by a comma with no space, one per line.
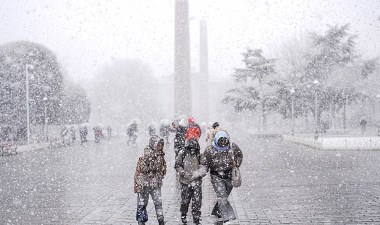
(182,81)
(203,70)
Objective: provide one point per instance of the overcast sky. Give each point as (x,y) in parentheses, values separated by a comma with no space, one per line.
(85,34)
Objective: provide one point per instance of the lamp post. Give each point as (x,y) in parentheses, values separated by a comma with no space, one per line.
(27,103)
(292,91)
(46,119)
(378,121)
(316,83)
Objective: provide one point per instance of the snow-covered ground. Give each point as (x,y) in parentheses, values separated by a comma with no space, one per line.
(282,183)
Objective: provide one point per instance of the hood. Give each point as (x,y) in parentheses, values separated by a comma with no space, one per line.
(193,146)
(218,135)
(153,141)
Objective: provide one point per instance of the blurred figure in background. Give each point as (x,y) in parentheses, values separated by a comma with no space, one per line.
(193,130)
(132,132)
(151,130)
(164,130)
(109,132)
(98,134)
(83,133)
(73,134)
(209,133)
(180,133)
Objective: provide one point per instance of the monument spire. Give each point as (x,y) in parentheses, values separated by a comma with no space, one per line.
(182,81)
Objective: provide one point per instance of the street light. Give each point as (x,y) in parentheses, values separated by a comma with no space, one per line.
(46,119)
(292,91)
(378,122)
(316,83)
(27,102)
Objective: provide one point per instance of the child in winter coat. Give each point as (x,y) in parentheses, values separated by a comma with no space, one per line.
(150,170)
(188,161)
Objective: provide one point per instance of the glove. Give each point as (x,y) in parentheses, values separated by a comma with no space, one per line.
(195,175)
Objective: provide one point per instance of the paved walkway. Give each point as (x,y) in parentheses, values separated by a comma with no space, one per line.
(282,184)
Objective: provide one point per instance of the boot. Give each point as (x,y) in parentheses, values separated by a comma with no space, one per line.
(161,222)
(197,221)
(183,218)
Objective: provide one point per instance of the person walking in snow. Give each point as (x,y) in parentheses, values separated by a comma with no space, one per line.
(132,132)
(73,134)
(186,163)
(219,158)
(64,132)
(150,171)
(193,130)
(83,133)
(98,132)
(179,137)
(151,130)
(165,131)
(216,128)
(109,132)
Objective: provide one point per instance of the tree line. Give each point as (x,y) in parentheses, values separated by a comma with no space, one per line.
(320,79)
(30,66)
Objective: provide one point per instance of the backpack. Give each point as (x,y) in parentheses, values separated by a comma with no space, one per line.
(193,131)
(191,143)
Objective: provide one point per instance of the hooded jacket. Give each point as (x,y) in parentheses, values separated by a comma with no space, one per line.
(218,159)
(151,166)
(187,162)
(179,139)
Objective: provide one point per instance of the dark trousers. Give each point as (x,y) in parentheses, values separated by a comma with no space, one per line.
(191,193)
(222,188)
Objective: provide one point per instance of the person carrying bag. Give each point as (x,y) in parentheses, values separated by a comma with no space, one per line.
(221,158)
(150,170)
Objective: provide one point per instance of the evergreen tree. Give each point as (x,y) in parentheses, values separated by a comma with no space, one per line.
(258,91)
(334,50)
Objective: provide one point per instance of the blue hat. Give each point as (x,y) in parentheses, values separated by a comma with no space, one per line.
(219,135)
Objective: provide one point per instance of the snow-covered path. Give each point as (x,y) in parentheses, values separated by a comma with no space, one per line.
(282,183)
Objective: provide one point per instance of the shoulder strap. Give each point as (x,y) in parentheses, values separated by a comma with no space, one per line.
(231,153)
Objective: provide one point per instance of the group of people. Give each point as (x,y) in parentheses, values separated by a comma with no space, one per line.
(83,133)
(164,131)
(219,158)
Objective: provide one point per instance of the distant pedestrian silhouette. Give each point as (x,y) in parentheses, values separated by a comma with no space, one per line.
(363,125)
